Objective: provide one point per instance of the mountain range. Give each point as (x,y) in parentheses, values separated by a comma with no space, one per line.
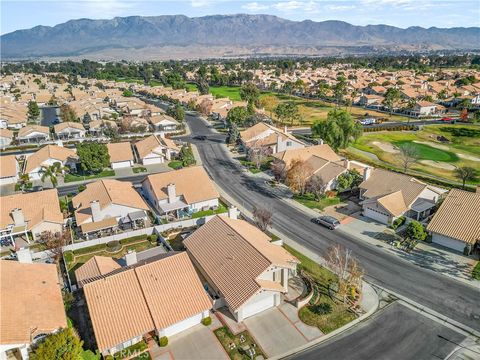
(178,36)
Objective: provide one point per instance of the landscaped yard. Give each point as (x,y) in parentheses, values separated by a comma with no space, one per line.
(309,201)
(226,338)
(78,177)
(323,311)
(75,259)
(139,169)
(221,209)
(250,165)
(441,149)
(175,164)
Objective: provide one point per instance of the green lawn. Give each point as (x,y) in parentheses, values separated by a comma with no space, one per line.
(226,338)
(426,152)
(337,314)
(309,201)
(232,92)
(77,177)
(175,164)
(192,87)
(221,209)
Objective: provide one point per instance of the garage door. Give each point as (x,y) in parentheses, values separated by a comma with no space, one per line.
(183,325)
(121,164)
(8,180)
(376,215)
(260,303)
(448,242)
(150,161)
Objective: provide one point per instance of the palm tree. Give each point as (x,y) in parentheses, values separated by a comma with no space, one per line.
(51,173)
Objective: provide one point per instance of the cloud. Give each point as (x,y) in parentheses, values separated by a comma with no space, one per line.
(255,6)
(200,3)
(288,6)
(340,7)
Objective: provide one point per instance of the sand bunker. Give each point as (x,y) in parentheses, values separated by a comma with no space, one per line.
(438,164)
(385,147)
(468,157)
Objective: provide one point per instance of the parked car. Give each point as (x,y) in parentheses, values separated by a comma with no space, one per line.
(448,119)
(368,121)
(327,221)
(200,137)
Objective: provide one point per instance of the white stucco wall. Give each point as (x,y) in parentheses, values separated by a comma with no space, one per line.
(448,242)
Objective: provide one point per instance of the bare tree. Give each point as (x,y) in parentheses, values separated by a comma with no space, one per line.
(342,263)
(205,107)
(54,242)
(262,217)
(408,156)
(279,170)
(257,153)
(297,175)
(317,186)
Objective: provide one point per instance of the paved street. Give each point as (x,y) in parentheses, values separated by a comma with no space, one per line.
(394,333)
(435,291)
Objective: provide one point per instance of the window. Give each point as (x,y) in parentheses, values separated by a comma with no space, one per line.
(289,143)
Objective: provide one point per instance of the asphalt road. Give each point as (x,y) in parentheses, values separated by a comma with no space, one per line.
(440,293)
(394,333)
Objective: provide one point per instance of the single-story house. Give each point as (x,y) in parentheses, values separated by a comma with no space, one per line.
(8,169)
(456,224)
(69,130)
(97,127)
(155,150)
(163,122)
(33,213)
(263,135)
(242,269)
(181,192)
(94,268)
(387,195)
(47,156)
(121,155)
(32,306)
(108,204)
(6,137)
(162,297)
(370,100)
(33,134)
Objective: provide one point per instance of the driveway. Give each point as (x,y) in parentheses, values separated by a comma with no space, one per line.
(199,342)
(274,332)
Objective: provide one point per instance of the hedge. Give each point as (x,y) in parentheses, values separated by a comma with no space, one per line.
(476,271)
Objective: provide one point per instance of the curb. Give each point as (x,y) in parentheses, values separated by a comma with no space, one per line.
(336,332)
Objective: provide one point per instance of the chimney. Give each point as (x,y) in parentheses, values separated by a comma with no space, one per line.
(320,141)
(233,213)
(477,189)
(346,164)
(285,129)
(366,173)
(95,209)
(18,217)
(131,257)
(24,255)
(172,193)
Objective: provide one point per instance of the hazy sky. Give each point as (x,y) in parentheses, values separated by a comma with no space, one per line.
(19,14)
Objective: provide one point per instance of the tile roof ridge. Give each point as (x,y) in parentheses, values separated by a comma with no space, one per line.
(248,242)
(106,190)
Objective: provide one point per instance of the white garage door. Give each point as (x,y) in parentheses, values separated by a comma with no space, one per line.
(261,303)
(376,215)
(183,325)
(121,164)
(8,180)
(150,161)
(448,242)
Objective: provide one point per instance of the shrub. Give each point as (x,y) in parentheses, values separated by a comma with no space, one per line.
(321,309)
(153,238)
(68,256)
(398,222)
(113,246)
(476,271)
(207,321)
(81,188)
(416,231)
(163,341)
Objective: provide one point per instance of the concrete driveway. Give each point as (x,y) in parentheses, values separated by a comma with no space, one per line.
(274,332)
(199,342)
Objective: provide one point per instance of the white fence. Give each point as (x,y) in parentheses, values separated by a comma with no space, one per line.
(146,231)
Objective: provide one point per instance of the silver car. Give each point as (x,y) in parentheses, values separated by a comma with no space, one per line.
(327,221)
